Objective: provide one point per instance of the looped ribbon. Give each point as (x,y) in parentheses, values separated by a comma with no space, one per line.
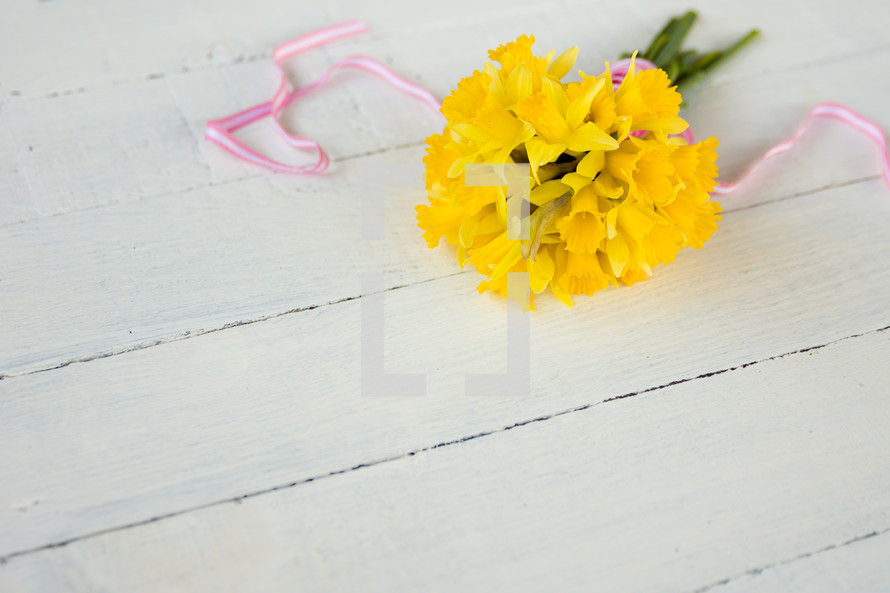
(219,131)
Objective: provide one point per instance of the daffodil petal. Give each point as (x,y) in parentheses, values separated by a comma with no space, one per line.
(591,137)
(592,163)
(548,191)
(563,64)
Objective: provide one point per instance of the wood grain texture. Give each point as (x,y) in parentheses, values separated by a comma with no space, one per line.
(116,278)
(265,220)
(84,44)
(860,565)
(151,148)
(142,140)
(180,386)
(674,490)
(215,416)
(123,139)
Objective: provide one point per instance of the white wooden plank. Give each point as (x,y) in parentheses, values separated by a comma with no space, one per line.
(750,115)
(124,143)
(352,115)
(135,436)
(178,425)
(12,181)
(61,253)
(242,251)
(142,130)
(96,148)
(668,491)
(85,44)
(52,47)
(228,254)
(858,566)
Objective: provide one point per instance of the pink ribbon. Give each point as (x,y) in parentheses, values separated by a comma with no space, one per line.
(830,110)
(219,131)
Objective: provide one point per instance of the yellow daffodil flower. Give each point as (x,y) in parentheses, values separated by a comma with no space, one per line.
(613,192)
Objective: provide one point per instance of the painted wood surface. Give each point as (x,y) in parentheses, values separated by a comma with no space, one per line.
(680,489)
(239,243)
(180,394)
(197,401)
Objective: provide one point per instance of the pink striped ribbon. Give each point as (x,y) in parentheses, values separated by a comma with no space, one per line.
(829,110)
(219,131)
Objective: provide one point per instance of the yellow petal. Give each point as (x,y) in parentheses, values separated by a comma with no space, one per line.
(563,296)
(489,222)
(590,137)
(607,186)
(518,85)
(585,200)
(540,270)
(575,180)
(461,255)
(633,274)
(440,155)
(602,108)
(540,152)
(634,222)
(468,228)
(583,274)
(468,99)
(440,218)
(510,259)
(556,92)
(496,87)
(592,163)
(563,64)
(661,245)
(548,191)
(583,232)
(579,107)
(540,111)
(618,252)
(612,223)
(665,125)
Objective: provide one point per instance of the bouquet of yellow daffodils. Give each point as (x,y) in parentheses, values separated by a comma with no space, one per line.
(615,187)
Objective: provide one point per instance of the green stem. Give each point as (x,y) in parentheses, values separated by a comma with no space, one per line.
(673,69)
(704,61)
(657,44)
(735,48)
(686,58)
(677,34)
(699,73)
(665,31)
